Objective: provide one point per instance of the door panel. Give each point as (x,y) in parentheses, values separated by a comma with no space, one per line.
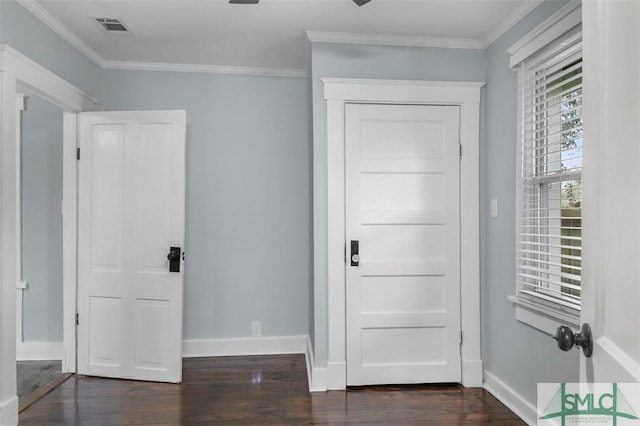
(154,196)
(403,294)
(404,345)
(403,299)
(610,290)
(131,211)
(153,319)
(107,147)
(106,324)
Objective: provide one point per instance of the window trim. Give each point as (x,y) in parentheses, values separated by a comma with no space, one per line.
(539,315)
(559,23)
(546,321)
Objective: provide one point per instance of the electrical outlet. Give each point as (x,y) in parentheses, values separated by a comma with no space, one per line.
(256,329)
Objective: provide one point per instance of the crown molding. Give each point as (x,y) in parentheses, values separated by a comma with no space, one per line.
(206,69)
(394,40)
(417,41)
(516,16)
(59,28)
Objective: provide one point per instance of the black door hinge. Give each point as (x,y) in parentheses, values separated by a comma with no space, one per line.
(77,153)
(77,319)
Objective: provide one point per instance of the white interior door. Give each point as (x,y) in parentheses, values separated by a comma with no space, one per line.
(611,235)
(403,208)
(131,211)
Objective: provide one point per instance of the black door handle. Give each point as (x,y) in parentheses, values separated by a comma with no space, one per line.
(566,339)
(355,253)
(174,259)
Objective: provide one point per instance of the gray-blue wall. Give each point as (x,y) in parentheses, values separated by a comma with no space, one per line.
(247,195)
(42,172)
(248,183)
(515,353)
(349,61)
(42,221)
(28,35)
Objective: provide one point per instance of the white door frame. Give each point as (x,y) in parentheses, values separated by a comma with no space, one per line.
(19,74)
(338,92)
(20,284)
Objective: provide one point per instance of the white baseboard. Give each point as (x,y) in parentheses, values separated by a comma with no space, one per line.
(472,374)
(319,380)
(9,412)
(244,346)
(337,375)
(317,377)
(39,351)
(513,400)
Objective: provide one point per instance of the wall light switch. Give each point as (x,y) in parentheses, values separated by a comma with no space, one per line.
(494,207)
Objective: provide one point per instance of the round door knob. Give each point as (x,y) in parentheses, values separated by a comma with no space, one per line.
(565,338)
(173,255)
(355,258)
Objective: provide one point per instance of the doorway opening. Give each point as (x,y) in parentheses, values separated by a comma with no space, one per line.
(39,242)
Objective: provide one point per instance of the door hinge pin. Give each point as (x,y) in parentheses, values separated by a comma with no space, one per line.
(460,153)
(77,153)
(77,319)
(460,336)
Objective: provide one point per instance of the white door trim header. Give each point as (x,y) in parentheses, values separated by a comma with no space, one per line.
(337,93)
(34,79)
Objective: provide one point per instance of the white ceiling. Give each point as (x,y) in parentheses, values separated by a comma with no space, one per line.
(270,34)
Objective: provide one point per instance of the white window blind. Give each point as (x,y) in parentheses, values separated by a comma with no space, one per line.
(549,198)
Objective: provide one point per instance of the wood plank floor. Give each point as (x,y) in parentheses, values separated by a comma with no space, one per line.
(37,378)
(259,390)
(36,374)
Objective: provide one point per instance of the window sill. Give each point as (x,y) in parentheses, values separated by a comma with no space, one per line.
(547,322)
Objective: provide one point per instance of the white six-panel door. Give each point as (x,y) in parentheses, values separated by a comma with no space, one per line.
(131,211)
(403,206)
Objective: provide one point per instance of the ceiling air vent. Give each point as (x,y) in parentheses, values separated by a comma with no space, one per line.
(112,25)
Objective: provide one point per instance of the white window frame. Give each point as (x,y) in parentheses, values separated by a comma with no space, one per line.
(545,318)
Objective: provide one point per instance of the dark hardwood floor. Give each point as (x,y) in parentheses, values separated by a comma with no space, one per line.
(37,378)
(259,390)
(35,374)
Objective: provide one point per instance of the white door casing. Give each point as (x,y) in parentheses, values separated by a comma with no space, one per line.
(338,92)
(403,208)
(20,284)
(131,211)
(611,235)
(19,74)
